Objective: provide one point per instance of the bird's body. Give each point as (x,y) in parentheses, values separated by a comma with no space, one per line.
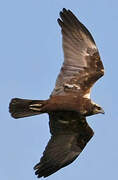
(69,103)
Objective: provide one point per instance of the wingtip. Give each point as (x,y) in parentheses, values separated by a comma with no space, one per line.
(60,22)
(63,16)
(40,171)
(64,10)
(36,166)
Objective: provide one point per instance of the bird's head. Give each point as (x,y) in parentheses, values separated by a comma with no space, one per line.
(97,109)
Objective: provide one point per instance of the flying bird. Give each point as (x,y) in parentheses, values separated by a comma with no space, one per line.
(69,104)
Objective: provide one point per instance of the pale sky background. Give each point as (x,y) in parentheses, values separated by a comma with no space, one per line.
(30,59)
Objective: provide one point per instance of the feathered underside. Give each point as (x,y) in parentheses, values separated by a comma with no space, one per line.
(82,65)
(70,134)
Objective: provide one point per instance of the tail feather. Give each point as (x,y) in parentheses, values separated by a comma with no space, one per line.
(20,108)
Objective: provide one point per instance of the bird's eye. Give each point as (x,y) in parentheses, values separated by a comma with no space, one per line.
(99,108)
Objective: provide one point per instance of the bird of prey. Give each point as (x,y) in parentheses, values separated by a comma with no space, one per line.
(69,104)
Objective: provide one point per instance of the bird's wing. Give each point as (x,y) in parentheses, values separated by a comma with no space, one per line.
(70,134)
(82,65)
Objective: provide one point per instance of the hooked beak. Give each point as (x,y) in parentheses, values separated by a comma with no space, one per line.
(101,111)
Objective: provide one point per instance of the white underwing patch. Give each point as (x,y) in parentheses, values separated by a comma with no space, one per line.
(71,86)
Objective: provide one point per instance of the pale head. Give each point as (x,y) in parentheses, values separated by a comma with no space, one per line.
(97,109)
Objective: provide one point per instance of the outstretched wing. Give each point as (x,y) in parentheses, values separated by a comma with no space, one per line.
(82,65)
(70,134)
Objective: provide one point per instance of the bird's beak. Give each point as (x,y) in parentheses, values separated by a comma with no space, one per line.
(102,111)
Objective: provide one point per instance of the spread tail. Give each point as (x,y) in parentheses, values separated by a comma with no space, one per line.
(20,108)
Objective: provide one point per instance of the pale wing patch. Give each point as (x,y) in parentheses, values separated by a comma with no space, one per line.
(71,86)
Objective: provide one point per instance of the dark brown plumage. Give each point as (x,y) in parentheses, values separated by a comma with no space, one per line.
(70,134)
(70,102)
